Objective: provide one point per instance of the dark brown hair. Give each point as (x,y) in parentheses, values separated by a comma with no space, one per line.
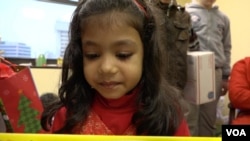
(160,112)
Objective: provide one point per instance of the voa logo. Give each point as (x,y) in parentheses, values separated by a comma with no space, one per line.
(236,132)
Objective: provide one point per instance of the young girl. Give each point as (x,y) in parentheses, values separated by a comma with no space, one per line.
(112,77)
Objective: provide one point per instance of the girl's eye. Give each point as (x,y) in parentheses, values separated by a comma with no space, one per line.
(91,56)
(124,56)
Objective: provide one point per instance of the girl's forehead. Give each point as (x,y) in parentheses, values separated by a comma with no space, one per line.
(108,20)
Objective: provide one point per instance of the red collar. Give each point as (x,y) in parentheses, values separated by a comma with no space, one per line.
(116,114)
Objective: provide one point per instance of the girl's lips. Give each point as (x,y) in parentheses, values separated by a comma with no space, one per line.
(109,84)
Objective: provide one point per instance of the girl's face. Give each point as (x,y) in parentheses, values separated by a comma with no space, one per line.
(112,57)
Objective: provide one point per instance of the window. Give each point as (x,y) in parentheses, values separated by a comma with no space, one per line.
(34,27)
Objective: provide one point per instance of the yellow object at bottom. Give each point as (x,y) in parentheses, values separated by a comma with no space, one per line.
(66,137)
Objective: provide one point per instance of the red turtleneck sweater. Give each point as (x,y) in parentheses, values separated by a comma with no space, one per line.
(111,117)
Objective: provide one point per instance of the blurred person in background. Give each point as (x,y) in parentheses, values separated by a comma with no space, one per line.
(239,91)
(213,30)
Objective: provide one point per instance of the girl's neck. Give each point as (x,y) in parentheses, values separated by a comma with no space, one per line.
(116,114)
(129,98)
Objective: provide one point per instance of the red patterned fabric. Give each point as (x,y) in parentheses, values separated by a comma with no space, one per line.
(94,125)
(119,110)
(111,117)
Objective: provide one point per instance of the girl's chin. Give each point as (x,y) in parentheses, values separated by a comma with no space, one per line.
(111,96)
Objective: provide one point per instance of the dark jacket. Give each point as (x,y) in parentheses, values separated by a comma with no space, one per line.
(180,39)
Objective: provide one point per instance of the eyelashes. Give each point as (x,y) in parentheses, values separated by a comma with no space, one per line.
(120,56)
(91,56)
(124,56)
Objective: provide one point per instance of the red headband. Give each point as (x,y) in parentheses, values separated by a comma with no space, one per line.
(142,8)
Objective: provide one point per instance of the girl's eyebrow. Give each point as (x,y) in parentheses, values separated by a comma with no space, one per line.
(114,44)
(124,42)
(89,43)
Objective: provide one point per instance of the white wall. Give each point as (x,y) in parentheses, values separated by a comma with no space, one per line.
(46,79)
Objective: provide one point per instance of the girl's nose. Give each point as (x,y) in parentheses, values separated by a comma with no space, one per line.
(108,65)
